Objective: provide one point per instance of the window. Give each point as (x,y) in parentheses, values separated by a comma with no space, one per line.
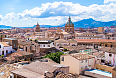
(2,52)
(82,67)
(0,46)
(26,49)
(6,51)
(106,45)
(48,45)
(85,67)
(30,47)
(110,55)
(43,45)
(86,60)
(62,58)
(111,45)
(89,65)
(81,61)
(109,62)
(14,45)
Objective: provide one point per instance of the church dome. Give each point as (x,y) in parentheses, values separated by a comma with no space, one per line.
(69,21)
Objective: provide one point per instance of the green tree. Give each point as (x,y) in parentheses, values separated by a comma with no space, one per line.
(65,49)
(36,40)
(54,56)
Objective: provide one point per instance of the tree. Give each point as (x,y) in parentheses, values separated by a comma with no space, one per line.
(36,40)
(54,56)
(65,49)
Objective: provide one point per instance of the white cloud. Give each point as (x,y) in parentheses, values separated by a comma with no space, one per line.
(9,17)
(57,13)
(107,1)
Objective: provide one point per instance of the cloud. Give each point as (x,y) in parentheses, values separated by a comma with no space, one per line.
(68,8)
(57,13)
(9,17)
(0,17)
(107,1)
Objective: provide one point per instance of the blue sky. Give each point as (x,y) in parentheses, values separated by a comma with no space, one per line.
(27,12)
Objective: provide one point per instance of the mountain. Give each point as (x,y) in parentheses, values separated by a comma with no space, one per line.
(83,24)
(92,23)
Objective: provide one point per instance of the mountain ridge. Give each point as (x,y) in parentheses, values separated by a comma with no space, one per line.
(85,23)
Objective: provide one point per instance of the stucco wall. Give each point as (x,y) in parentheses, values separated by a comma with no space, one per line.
(72,62)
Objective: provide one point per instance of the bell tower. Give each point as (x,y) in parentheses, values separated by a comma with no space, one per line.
(37,28)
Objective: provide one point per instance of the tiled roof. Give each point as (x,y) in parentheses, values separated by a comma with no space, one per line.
(51,30)
(82,56)
(61,41)
(64,75)
(108,49)
(19,53)
(35,70)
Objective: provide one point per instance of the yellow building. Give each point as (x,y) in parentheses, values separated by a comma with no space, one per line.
(78,62)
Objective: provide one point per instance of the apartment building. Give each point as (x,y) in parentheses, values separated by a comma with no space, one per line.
(78,62)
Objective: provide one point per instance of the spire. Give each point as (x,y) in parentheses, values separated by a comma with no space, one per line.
(69,19)
(37,23)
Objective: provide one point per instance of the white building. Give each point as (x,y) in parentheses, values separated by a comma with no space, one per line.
(78,62)
(5,48)
(110,57)
(45,44)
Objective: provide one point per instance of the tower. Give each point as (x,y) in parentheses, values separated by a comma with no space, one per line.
(69,26)
(37,28)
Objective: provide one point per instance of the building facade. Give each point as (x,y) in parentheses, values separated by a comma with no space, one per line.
(110,57)
(78,62)
(5,48)
(13,42)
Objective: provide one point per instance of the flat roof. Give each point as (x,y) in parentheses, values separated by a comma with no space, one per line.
(100,72)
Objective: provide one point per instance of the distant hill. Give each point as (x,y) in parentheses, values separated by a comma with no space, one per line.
(92,23)
(83,24)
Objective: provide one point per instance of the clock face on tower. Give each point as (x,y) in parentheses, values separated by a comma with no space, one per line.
(69,26)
